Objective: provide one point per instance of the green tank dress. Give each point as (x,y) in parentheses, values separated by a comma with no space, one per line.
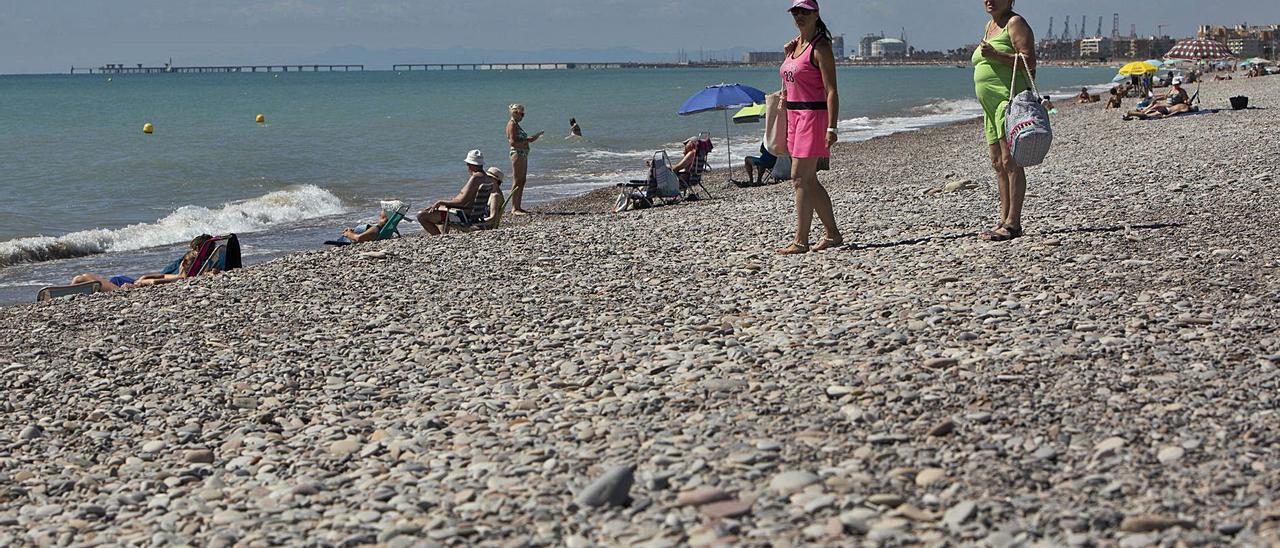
(991,83)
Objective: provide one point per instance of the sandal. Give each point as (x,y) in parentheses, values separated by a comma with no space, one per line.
(1010,232)
(795,248)
(828,243)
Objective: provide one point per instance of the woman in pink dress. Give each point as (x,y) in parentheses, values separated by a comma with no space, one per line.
(813,108)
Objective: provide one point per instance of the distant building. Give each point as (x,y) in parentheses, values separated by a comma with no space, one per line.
(764,57)
(888,48)
(1248,46)
(864,45)
(1150,47)
(837,46)
(1095,48)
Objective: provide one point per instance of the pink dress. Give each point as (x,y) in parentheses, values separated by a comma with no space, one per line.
(806,106)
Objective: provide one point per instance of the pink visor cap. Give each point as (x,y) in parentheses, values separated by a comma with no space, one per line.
(806,4)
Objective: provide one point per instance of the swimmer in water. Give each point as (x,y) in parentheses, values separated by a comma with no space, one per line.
(575,131)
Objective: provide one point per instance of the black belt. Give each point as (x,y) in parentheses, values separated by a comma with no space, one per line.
(806,105)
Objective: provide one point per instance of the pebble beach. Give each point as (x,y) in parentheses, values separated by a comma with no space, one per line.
(661,378)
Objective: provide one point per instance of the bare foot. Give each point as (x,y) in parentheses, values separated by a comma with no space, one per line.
(521,212)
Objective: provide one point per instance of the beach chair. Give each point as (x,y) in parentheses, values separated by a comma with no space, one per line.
(478,216)
(388,231)
(219,254)
(57,292)
(692,179)
(662,186)
(781,171)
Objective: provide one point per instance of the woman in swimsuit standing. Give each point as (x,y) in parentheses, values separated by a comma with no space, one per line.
(813,108)
(520,142)
(1007,36)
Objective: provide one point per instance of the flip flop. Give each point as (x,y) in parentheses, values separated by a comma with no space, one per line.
(1010,233)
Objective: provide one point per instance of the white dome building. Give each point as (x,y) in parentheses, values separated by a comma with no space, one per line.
(888,47)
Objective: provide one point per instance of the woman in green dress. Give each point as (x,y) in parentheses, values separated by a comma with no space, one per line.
(1007,35)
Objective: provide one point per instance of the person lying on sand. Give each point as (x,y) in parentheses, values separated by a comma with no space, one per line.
(125,282)
(1177,101)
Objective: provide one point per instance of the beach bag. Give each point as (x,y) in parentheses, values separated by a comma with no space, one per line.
(1026,122)
(775,125)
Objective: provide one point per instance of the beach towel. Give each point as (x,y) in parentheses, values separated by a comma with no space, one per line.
(1027,128)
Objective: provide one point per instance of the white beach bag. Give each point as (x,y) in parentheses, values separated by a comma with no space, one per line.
(1026,122)
(775,125)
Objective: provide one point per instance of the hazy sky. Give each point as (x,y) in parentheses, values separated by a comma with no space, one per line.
(51,35)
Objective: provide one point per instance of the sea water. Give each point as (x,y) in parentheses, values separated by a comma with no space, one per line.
(83,189)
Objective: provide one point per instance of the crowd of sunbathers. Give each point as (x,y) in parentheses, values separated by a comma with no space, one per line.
(478,204)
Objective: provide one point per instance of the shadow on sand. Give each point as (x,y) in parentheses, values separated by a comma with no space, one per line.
(947,237)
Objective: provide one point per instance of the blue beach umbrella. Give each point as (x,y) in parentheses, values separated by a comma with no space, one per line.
(722,97)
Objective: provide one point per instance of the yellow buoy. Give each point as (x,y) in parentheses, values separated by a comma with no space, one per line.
(260,119)
(148,128)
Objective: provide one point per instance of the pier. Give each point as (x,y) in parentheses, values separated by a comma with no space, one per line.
(545,66)
(503,66)
(168,69)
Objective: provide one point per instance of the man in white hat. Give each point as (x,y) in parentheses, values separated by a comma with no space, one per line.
(455,210)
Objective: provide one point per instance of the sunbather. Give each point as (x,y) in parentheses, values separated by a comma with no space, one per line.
(126,282)
(1177,101)
(1083,97)
(366,232)
(759,165)
(434,218)
(496,200)
(1116,100)
(690,156)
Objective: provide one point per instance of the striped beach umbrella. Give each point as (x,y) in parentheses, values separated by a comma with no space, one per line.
(1196,49)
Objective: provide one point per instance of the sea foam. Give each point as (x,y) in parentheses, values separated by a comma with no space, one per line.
(255,214)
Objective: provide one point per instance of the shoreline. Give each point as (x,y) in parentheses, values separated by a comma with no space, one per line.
(1109,378)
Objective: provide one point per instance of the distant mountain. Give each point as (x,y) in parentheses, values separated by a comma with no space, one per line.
(383,59)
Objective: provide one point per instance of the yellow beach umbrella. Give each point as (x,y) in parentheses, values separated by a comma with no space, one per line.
(1138,68)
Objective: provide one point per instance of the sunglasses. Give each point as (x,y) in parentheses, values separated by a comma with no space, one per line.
(800,12)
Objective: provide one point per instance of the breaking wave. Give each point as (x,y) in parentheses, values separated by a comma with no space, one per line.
(283,206)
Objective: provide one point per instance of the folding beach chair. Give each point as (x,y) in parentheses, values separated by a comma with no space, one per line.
(219,254)
(57,292)
(662,186)
(693,177)
(781,171)
(477,217)
(389,230)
